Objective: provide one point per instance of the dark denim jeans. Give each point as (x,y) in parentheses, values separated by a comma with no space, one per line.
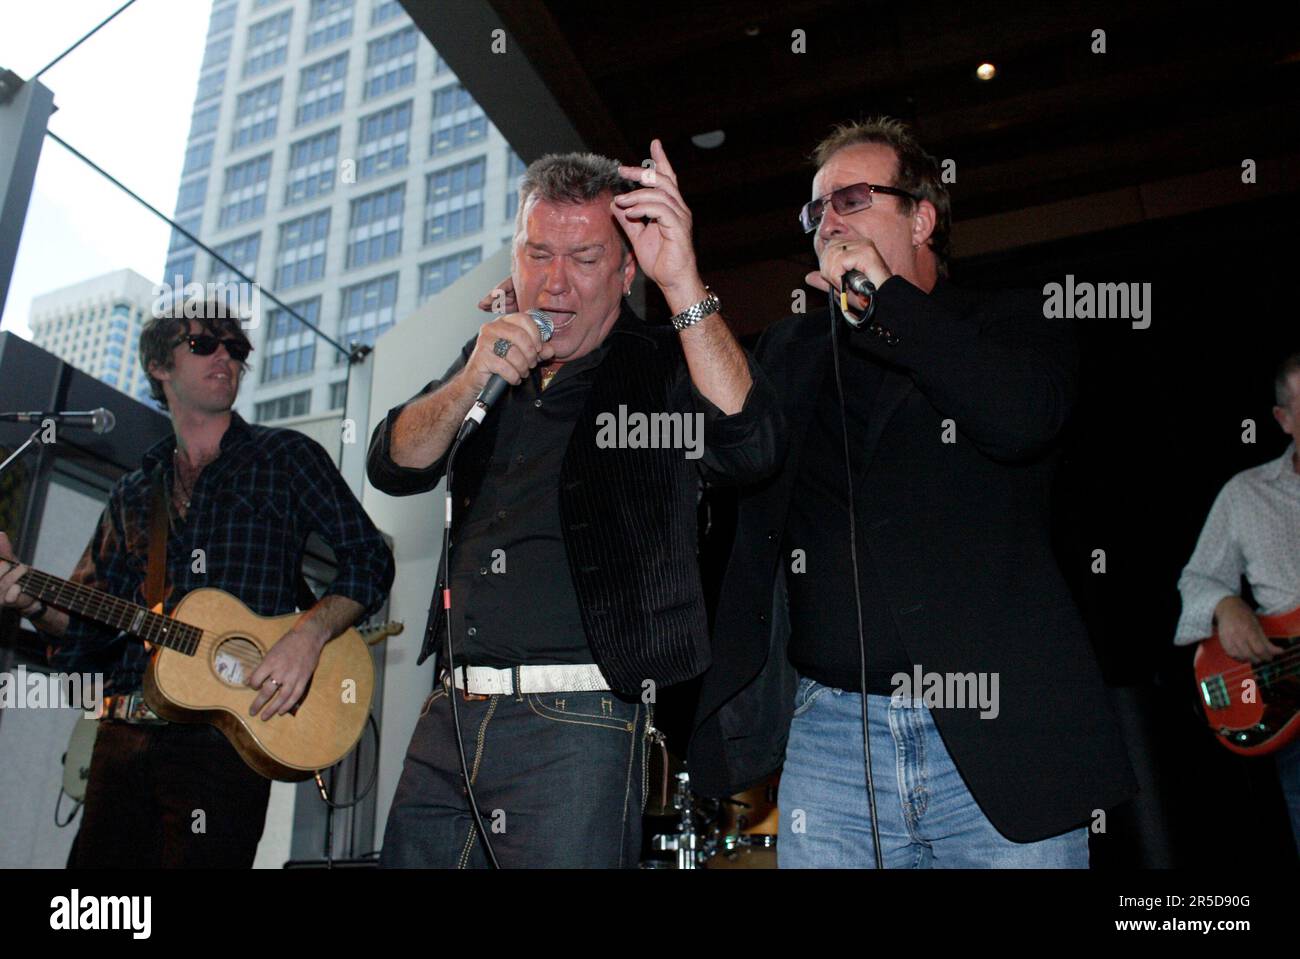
(169,796)
(560,780)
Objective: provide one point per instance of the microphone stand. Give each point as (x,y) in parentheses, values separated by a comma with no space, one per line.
(19,452)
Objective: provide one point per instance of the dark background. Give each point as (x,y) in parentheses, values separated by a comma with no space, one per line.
(1123,166)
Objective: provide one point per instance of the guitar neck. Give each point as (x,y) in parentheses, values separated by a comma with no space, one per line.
(108,609)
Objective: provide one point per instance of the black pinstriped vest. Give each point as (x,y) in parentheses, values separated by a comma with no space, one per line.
(629,523)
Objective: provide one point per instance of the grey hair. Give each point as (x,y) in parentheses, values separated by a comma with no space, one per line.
(571,178)
(1282,380)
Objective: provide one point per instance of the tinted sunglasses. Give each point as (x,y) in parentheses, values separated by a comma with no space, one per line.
(205,344)
(845,200)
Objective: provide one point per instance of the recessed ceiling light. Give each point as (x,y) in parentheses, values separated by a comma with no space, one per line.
(710,140)
(986,71)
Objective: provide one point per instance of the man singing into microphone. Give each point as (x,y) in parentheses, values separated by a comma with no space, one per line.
(575,589)
(1004,751)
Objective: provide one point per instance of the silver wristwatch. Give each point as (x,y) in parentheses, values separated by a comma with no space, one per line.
(697,311)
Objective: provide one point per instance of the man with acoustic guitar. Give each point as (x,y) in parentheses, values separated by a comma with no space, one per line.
(239,503)
(1253,530)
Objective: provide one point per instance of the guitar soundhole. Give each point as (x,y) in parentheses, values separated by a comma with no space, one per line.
(235,659)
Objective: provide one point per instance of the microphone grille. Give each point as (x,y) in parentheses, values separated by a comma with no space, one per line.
(544,325)
(104,420)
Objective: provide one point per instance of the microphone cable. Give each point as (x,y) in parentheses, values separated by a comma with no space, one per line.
(857,583)
(451,664)
(544,328)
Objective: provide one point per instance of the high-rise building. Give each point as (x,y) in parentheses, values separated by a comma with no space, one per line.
(334,158)
(95,326)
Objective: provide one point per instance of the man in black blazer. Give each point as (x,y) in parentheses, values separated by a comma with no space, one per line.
(991,740)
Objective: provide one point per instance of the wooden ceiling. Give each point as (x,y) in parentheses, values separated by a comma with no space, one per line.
(1181,89)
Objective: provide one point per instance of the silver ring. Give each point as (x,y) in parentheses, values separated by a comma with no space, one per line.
(501,347)
(274,682)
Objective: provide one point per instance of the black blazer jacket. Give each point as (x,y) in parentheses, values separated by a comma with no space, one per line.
(958,536)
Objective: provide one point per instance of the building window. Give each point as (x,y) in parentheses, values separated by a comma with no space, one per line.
(198,156)
(204,121)
(301,255)
(457,120)
(296,404)
(384,141)
(311,167)
(320,89)
(217,51)
(375,226)
(180,241)
(290,346)
(243,197)
(210,85)
(268,43)
(179,270)
(255,114)
(390,62)
(191,195)
(242,253)
(368,309)
(453,202)
(438,274)
(222,19)
(329,20)
(515,168)
(338,395)
(382,11)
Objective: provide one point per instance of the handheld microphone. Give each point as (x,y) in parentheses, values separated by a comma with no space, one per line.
(496,385)
(857,281)
(99,420)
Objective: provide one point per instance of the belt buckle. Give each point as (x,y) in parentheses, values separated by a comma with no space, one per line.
(464,692)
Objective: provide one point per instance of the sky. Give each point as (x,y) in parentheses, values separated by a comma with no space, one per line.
(124,99)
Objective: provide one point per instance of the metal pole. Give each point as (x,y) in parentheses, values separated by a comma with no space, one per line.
(25,110)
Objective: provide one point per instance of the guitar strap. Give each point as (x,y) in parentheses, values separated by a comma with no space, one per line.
(155,573)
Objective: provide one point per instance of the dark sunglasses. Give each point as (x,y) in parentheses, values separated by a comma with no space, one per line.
(845,200)
(205,344)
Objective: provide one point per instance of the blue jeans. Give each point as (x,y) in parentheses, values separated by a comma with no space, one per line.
(1288,771)
(560,781)
(927,816)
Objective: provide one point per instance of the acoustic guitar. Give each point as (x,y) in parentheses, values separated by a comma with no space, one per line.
(1254,708)
(203,655)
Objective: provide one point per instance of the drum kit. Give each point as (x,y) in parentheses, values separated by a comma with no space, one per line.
(686,831)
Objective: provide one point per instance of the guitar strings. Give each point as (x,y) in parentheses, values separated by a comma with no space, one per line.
(59,592)
(1290,660)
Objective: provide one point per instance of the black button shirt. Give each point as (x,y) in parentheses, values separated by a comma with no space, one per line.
(512,596)
(823,613)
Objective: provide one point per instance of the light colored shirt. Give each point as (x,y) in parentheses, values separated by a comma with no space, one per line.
(1253,530)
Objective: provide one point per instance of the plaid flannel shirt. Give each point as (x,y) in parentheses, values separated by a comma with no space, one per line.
(251,511)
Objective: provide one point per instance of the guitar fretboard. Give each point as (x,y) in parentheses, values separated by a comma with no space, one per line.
(111,611)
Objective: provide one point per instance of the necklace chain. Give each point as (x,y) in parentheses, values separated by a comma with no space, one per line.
(187,492)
